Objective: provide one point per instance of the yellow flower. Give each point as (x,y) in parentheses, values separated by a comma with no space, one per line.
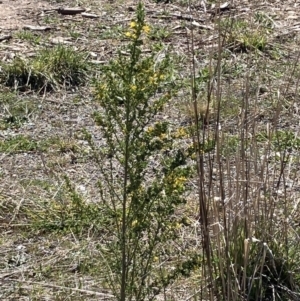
(146,28)
(132,24)
(130,35)
(153,79)
(150,129)
(177,226)
(133,88)
(178,182)
(163,136)
(181,132)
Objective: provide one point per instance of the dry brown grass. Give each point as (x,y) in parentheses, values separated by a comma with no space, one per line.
(249,183)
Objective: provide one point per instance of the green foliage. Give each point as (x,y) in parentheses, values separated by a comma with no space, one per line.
(67,212)
(286,140)
(244,36)
(18,143)
(23,143)
(49,70)
(14,111)
(231,145)
(140,205)
(281,140)
(159,33)
(28,36)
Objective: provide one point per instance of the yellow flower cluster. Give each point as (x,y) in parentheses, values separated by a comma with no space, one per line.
(132,33)
(179,182)
(146,29)
(153,79)
(176,182)
(156,131)
(180,133)
(150,130)
(163,136)
(133,88)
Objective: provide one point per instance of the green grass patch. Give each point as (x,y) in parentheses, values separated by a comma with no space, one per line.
(50,70)
(281,140)
(29,36)
(19,143)
(242,36)
(159,33)
(63,145)
(23,143)
(67,212)
(15,110)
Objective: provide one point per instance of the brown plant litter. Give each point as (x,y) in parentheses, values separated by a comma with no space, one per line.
(34,266)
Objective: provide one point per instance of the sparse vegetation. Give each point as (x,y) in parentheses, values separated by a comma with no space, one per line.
(244,35)
(28,36)
(49,70)
(15,111)
(141,206)
(152,154)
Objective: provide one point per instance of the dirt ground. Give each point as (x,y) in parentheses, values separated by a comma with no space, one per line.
(14,14)
(41,272)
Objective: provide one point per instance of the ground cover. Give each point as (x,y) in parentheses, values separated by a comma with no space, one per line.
(232,118)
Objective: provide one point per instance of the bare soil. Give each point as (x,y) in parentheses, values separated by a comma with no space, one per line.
(14,14)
